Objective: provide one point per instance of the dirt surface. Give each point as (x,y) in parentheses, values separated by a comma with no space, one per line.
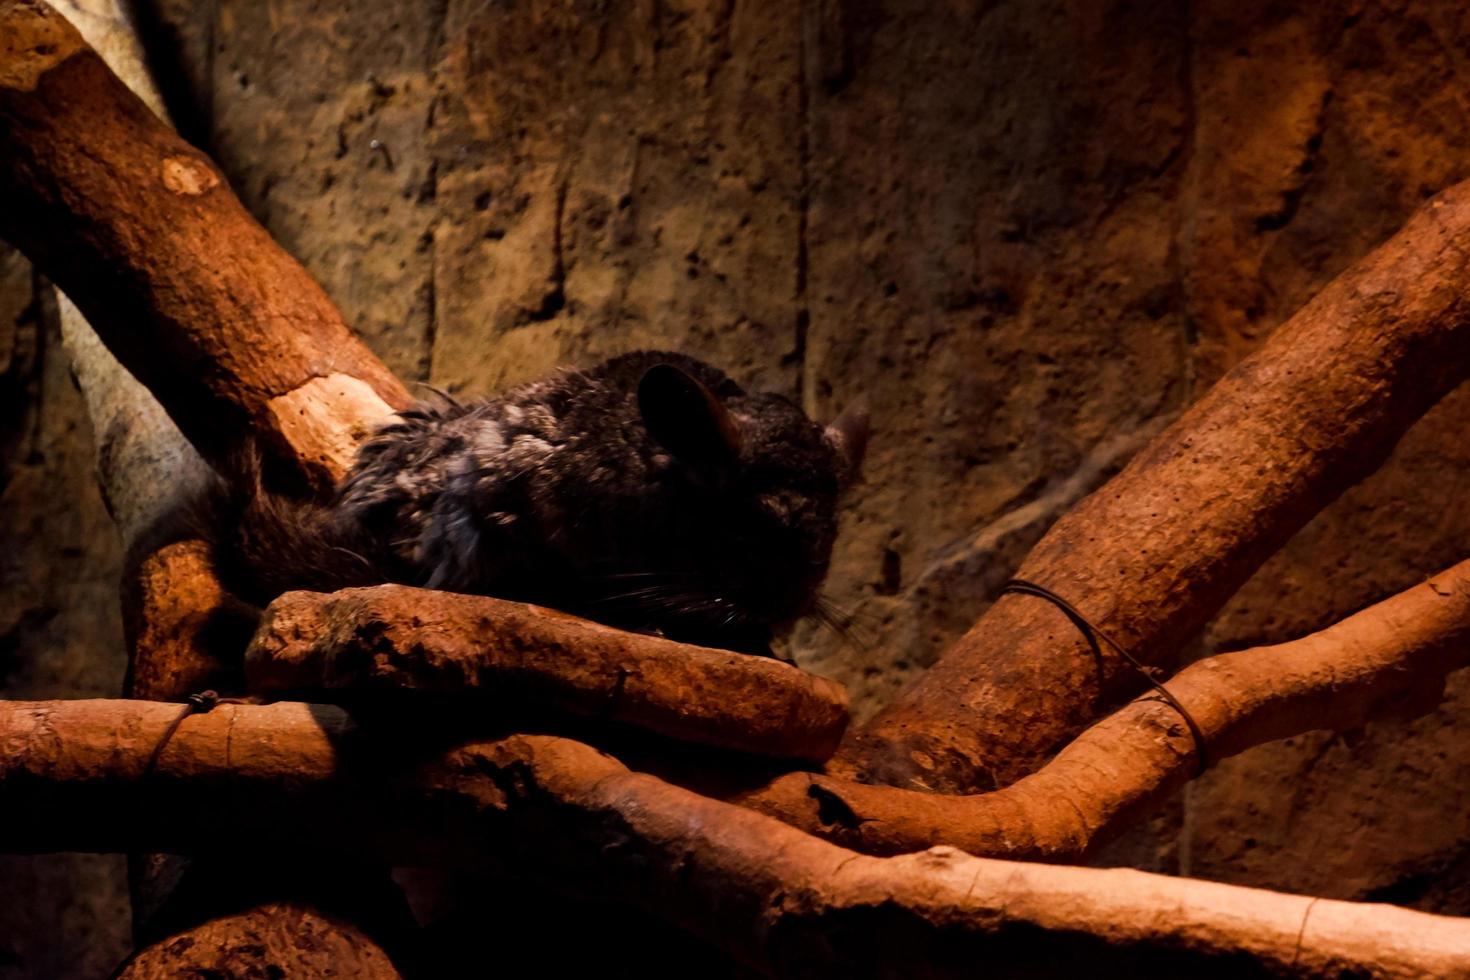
(1029,233)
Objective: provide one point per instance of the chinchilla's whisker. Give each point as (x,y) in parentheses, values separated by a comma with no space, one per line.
(647,590)
(360,559)
(629,576)
(848,616)
(638,595)
(842,624)
(435,389)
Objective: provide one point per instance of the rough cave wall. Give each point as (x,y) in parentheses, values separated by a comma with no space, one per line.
(65,915)
(1029,233)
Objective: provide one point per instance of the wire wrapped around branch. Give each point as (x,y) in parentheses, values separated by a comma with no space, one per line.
(1159,549)
(1389,659)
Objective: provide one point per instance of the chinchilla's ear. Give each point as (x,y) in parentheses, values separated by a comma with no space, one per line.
(847,434)
(686,418)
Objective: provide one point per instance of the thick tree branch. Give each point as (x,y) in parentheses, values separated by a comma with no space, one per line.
(174,612)
(184,630)
(245,343)
(1155,552)
(184,634)
(398,638)
(141,231)
(1386,660)
(180,623)
(302,776)
(249,943)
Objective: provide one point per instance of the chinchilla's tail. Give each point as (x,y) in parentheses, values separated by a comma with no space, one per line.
(266,543)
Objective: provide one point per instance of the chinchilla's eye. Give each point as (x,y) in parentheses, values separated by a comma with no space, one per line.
(782,504)
(776,503)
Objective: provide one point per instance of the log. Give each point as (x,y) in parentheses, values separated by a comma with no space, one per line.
(274,939)
(795,905)
(1157,550)
(302,777)
(1388,660)
(184,630)
(142,232)
(397,638)
(184,634)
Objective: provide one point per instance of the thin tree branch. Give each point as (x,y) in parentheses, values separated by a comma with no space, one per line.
(398,638)
(1388,660)
(1155,552)
(303,776)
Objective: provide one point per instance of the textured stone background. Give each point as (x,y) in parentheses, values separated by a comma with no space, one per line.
(1028,232)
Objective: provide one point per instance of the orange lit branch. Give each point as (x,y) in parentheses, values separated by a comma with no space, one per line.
(184,632)
(302,776)
(395,638)
(1385,660)
(141,230)
(237,342)
(1156,551)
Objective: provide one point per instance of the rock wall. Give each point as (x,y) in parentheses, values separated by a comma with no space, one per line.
(66,915)
(1028,233)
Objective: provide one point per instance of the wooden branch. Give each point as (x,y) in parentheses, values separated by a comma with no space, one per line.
(148,472)
(1385,660)
(275,939)
(242,341)
(399,638)
(1156,551)
(231,335)
(184,630)
(303,777)
(184,634)
(174,611)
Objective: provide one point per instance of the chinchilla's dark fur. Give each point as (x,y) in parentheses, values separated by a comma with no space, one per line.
(650,492)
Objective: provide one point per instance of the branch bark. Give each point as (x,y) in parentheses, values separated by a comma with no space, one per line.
(184,634)
(399,638)
(1157,551)
(255,942)
(302,776)
(238,340)
(231,335)
(184,630)
(1390,659)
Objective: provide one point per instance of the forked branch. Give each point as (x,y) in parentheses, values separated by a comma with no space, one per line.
(1155,552)
(302,776)
(1388,660)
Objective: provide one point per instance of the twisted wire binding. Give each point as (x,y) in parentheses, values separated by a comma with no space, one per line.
(1091,633)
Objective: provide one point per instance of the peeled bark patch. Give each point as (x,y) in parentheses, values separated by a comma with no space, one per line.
(184,175)
(399,638)
(144,235)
